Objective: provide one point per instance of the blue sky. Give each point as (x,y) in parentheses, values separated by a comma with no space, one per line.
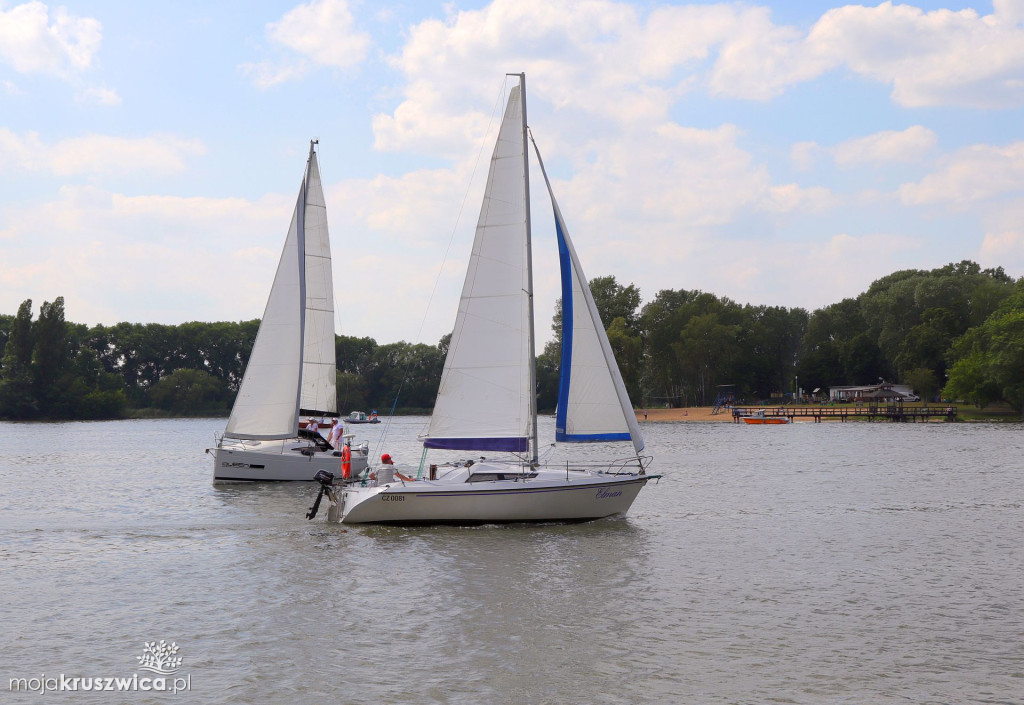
(781,153)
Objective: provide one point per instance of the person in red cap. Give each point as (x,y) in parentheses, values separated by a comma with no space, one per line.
(386,460)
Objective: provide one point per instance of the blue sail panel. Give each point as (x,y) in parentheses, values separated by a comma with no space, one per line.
(509,445)
(565,269)
(564,437)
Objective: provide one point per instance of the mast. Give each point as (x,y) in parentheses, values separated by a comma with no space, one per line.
(301,242)
(531,341)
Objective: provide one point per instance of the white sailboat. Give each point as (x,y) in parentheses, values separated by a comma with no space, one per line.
(292,369)
(486,401)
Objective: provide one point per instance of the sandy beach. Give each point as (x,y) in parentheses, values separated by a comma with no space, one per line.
(693,413)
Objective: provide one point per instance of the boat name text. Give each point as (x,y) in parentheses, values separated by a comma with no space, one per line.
(606,493)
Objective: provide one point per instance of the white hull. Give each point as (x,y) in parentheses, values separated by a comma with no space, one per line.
(551,496)
(277,461)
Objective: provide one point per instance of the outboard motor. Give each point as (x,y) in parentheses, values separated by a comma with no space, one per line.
(326,480)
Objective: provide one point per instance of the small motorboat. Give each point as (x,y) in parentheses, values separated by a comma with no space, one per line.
(759,417)
(362,417)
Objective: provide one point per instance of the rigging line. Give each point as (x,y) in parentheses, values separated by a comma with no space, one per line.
(451,238)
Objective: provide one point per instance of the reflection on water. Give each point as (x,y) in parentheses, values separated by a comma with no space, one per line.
(840,563)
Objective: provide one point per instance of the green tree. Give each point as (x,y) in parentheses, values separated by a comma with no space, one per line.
(913,316)
(768,349)
(968,380)
(50,352)
(669,371)
(5,333)
(189,392)
(405,374)
(1005,365)
(923,381)
(355,355)
(18,352)
(628,351)
(705,346)
(18,397)
(353,392)
(927,343)
(548,366)
(614,301)
(988,360)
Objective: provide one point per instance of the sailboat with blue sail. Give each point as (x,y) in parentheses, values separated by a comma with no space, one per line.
(486,402)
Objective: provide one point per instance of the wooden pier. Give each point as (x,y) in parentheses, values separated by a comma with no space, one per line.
(844,412)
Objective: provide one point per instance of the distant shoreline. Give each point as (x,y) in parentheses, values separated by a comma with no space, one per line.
(703,413)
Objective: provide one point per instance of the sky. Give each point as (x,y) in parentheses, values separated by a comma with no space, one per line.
(775,153)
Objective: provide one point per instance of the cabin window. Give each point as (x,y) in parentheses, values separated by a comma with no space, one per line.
(499,476)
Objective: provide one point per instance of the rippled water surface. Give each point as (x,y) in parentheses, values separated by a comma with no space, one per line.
(814,563)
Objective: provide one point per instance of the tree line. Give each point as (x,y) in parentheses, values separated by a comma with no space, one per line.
(956,331)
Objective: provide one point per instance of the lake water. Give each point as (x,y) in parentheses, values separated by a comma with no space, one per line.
(810,563)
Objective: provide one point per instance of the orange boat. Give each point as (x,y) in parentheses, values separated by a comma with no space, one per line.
(759,417)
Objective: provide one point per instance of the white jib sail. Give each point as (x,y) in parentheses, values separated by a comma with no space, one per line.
(484,398)
(319,378)
(267,404)
(592,401)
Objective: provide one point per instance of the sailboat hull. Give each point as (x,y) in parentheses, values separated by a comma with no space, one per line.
(486,400)
(549,497)
(292,364)
(278,461)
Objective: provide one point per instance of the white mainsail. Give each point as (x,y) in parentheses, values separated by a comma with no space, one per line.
(292,361)
(593,404)
(319,365)
(484,400)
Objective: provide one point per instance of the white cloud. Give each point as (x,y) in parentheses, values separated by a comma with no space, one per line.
(932,58)
(318,33)
(680,176)
(100,95)
(1005,248)
(788,198)
(1003,244)
(909,145)
(85,245)
(607,63)
(266,74)
(804,155)
(96,154)
(942,57)
(598,58)
(759,60)
(34,41)
(972,174)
